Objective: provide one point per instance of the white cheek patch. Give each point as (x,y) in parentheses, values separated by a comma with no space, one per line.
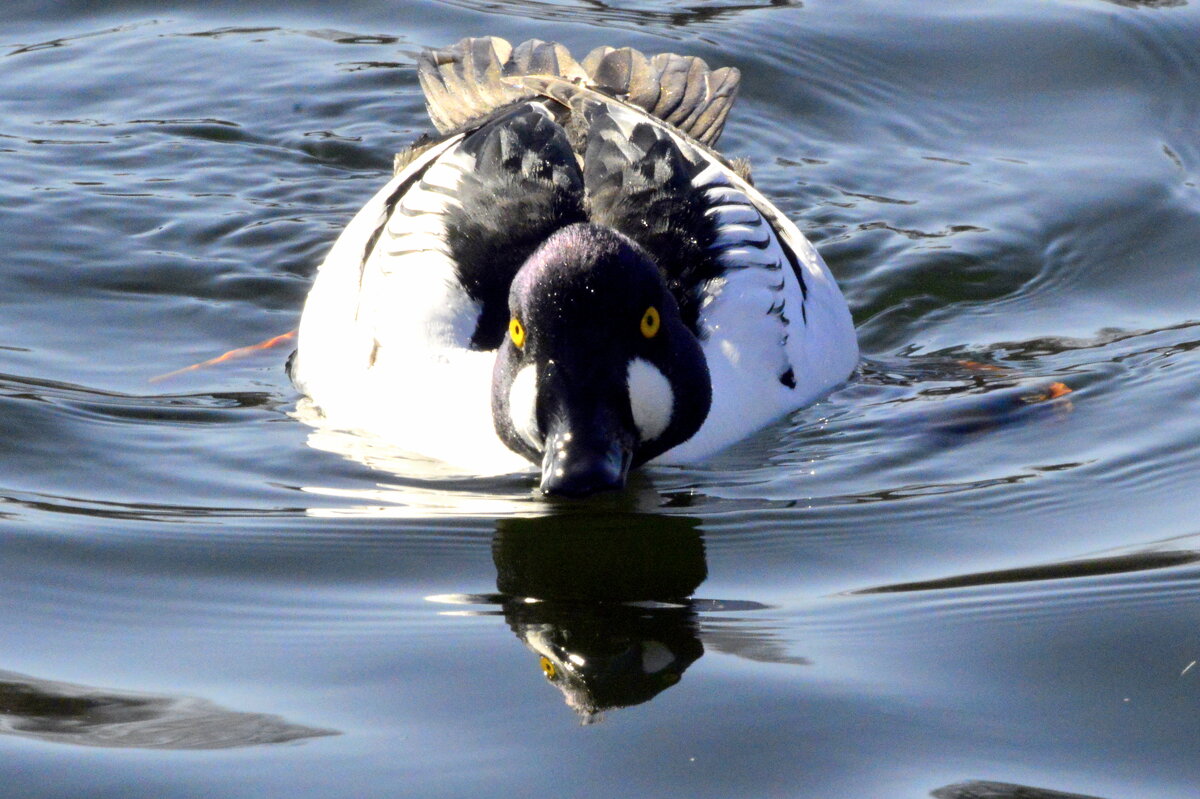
(650,398)
(522,405)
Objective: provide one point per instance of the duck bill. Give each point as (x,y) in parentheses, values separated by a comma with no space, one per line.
(585,456)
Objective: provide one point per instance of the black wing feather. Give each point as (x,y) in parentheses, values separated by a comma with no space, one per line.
(526,184)
(641,185)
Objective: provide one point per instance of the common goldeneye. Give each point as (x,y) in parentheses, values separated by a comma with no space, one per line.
(571,273)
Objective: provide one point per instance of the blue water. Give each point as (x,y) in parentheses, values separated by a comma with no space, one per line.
(941,574)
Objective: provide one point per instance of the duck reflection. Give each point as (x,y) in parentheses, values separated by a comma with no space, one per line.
(670,14)
(1149,3)
(601,591)
(603,602)
(1000,790)
(61,712)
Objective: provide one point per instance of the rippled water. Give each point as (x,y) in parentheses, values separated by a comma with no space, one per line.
(949,571)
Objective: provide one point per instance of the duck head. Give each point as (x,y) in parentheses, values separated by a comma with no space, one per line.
(598,372)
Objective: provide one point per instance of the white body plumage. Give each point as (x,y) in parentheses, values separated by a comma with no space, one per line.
(385,341)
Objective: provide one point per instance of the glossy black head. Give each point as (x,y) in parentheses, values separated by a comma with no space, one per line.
(598,372)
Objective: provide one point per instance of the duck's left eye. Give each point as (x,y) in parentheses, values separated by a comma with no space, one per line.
(650,322)
(548,668)
(517,331)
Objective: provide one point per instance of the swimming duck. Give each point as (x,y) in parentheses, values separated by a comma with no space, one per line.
(570,275)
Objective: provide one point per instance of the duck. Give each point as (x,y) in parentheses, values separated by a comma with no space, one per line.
(569,275)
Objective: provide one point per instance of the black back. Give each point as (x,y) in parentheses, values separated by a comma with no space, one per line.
(641,185)
(526,184)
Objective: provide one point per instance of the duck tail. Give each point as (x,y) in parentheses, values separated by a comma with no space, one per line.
(680,90)
(471,79)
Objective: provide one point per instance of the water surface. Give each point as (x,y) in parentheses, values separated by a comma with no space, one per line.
(949,571)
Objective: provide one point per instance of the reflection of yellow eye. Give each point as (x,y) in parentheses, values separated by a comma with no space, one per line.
(650,322)
(517,331)
(548,668)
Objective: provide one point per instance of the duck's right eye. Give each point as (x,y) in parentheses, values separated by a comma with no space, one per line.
(517,331)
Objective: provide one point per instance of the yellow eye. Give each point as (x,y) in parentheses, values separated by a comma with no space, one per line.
(548,668)
(650,322)
(517,331)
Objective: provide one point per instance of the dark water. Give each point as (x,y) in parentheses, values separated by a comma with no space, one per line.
(939,575)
